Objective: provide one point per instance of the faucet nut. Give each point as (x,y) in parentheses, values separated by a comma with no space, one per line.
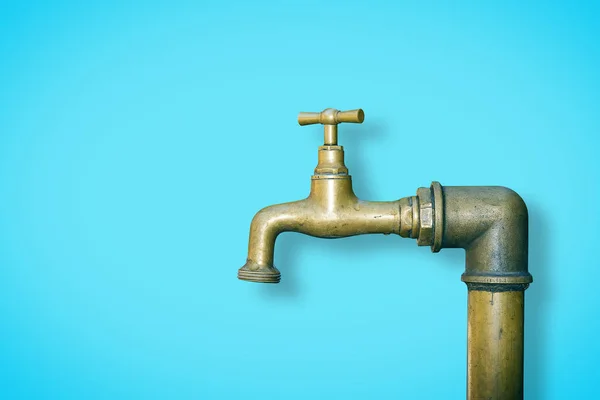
(426,217)
(331,161)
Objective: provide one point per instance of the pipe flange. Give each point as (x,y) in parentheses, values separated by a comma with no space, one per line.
(498,279)
(438,214)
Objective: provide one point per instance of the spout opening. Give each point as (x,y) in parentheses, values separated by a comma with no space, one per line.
(253,272)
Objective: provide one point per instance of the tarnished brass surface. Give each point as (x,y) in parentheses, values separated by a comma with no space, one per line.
(331,210)
(495,351)
(489,222)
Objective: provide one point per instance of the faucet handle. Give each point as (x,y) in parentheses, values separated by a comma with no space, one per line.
(331,117)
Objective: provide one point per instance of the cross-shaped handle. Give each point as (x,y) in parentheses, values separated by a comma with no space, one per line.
(330,117)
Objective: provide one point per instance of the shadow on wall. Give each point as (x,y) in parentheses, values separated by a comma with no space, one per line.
(538,299)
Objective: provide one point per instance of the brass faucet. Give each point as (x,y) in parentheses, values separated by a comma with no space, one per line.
(489,222)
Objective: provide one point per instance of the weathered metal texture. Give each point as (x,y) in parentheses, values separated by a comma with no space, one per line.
(495,350)
(331,210)
(489,222)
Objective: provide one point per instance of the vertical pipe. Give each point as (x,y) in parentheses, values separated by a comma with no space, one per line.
(491,224)
(495,345)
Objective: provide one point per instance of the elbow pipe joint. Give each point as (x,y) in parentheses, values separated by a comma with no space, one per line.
(490,223)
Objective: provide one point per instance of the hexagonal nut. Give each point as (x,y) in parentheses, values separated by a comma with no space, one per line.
(426,217)
(406,216)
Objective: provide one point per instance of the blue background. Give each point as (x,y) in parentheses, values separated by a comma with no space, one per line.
(137,142)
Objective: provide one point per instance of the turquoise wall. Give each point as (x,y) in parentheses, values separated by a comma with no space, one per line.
(137,142)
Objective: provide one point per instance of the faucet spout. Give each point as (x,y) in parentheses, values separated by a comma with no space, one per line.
(266,225)
(332,210)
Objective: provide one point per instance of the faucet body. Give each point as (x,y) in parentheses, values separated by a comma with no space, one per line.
(331,210)
(489,222)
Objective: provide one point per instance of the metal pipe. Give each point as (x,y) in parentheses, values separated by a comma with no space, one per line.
(332,210)
(495,345)
(489,222)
